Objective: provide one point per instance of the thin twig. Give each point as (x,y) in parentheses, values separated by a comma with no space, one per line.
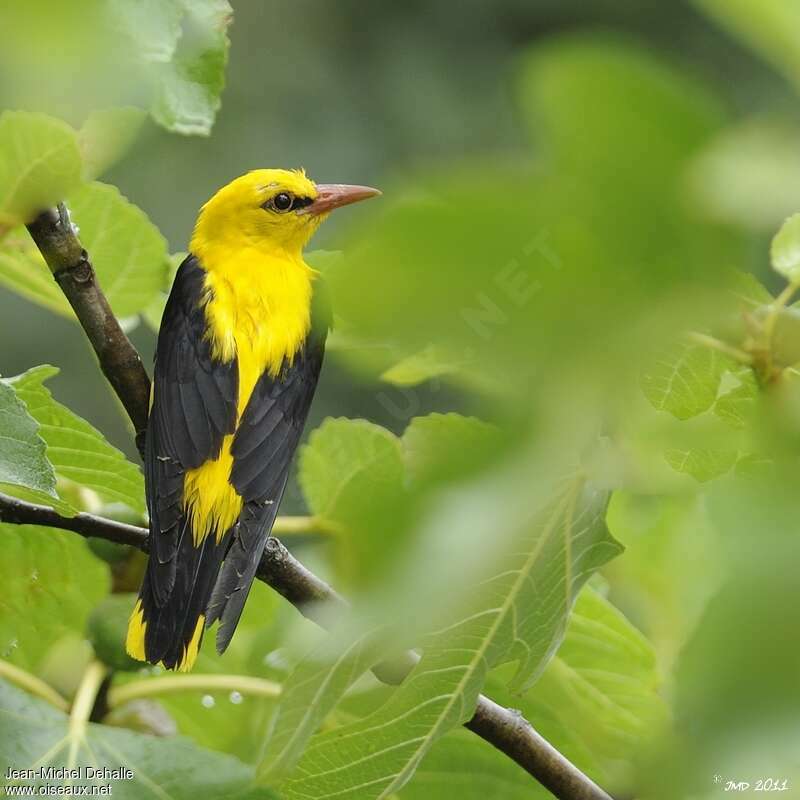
(503,728)
(32,685)
(169,684)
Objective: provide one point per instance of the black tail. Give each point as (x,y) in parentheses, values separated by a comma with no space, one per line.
(168,630)
(241,562)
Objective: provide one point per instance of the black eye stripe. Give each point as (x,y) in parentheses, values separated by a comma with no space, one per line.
(285,201)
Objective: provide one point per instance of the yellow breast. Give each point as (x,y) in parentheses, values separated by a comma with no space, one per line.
(258,310)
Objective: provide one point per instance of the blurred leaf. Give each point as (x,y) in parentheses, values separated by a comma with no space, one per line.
(309,694)
(785,250)
(40,164)
(549,287)
(77,451)
(430,442)
(746,287)
(153,26)
(127,250)
(340,456)
(671,565)
(188,96)
(518,614)
(34,733)
(685,381)
(703,465)
(51,583)
(736,693)
(105,136)
(750,174)
(185,45)
(351,473)
(420,367)
(23,459)
(771,28)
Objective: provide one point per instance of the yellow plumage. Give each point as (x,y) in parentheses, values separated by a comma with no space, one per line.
(258,311)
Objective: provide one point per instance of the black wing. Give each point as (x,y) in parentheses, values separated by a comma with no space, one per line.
(262,450)
(193,408)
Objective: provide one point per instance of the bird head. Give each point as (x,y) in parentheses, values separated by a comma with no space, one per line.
(271,209)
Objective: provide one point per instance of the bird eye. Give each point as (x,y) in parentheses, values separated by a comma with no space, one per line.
(282,201)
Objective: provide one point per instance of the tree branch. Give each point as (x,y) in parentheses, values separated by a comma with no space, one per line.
(503,728)
(55,237)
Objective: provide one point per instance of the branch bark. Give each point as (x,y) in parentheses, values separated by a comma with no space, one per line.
(55,237)
(503,728)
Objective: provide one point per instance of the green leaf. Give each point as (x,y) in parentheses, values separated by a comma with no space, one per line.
(188,96)
(430,442)
(105,136)
(40,164)
(185,44)
(702,464)
(341,458)
(52,581)
(33,733)
(78,451)
(785,251)
(23,460)
(671,565)
(419,367)
(127,250)
(597,702)
(771,28)
(736,405)
(749,175)
(462,766)
(23,270)
(685,381)
(351,472)
(603,684)
(517,614)
(309,694)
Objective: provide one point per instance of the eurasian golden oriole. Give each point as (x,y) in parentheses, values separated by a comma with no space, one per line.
(237,361)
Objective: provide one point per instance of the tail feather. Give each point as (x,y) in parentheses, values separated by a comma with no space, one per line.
(168,630)
(241,562)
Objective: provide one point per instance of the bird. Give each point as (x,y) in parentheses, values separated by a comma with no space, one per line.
(237,360)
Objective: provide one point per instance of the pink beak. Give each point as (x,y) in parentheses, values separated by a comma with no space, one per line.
(335,195)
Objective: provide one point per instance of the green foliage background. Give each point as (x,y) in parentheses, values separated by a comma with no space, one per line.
(555,444)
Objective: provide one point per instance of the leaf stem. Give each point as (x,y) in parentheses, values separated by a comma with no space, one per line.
(723,347)
(82,707)
(33,685)
(169,684)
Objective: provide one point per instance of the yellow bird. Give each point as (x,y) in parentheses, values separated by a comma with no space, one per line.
(239,353)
